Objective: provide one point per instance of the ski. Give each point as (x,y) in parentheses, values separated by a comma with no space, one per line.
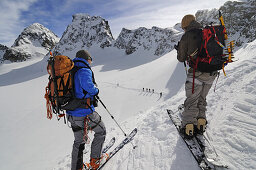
(205,144)
(109,145)
(128,139)
(209,151)
(196,148)
(106,147)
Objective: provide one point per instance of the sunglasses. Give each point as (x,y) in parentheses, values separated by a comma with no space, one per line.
(90,58)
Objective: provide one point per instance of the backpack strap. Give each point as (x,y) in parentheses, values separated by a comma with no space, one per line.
(87,66)
(76,68)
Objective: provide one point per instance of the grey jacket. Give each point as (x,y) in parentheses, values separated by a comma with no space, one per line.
(189,41)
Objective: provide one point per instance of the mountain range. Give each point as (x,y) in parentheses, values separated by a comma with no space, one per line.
(90,32)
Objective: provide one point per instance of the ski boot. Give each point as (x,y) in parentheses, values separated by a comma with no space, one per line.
(188,131)
(96,162)
(201,125)
(93,165)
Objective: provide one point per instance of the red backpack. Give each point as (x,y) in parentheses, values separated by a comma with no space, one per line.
(210,56)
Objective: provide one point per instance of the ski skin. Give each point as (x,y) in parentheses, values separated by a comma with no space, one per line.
(201,159)
(128,139)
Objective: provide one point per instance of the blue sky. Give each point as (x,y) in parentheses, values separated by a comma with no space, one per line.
(15,15)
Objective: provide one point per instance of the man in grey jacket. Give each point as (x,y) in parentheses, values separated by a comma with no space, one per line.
(193,116)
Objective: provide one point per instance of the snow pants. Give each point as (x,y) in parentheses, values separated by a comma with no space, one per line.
(77,124)
(195,103)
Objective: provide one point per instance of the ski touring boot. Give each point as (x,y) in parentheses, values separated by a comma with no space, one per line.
(96,162)
(201,125)
(188,131)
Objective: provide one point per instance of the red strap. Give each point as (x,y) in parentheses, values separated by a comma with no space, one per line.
(86,137)
(207,35)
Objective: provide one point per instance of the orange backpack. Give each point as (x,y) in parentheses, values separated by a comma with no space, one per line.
(59,90)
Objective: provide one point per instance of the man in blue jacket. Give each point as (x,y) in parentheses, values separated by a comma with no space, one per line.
(85,118)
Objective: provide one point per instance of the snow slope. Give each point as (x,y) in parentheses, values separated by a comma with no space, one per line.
(30,141)
(231,127)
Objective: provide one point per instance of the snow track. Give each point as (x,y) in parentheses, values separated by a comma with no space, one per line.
(233,122)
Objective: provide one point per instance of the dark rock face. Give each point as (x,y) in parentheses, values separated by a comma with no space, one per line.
(159,41)
(15,56)
(3,49)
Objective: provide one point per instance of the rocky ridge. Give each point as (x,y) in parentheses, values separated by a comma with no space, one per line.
(160,41)
(239,18)
(3,49)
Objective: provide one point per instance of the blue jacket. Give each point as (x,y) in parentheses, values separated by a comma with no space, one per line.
(83,81)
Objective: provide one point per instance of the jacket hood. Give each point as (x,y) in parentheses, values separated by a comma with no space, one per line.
(193,25)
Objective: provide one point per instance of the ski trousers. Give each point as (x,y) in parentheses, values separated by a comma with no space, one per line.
(95,124)
(195,103)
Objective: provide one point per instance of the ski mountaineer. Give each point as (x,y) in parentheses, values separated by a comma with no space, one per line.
(83,119)
(193,117)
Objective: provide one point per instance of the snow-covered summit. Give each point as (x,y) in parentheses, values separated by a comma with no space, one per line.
(160,41)
(85,31)
(37,35)
(35,40)
(239,18)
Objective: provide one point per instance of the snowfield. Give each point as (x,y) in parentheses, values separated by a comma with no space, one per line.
(30,141)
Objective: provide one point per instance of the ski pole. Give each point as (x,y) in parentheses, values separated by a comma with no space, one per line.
(97,97)
(186,68)
(111,115)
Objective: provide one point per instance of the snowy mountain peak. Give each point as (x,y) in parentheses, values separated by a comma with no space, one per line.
(85,31)
(37,35)
(34,41)
(159,40)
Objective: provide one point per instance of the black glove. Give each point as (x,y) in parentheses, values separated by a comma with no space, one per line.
(95,101)
(176,46)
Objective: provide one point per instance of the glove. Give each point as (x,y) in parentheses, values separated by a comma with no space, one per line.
(95,101)
(176,46)
(97,92)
